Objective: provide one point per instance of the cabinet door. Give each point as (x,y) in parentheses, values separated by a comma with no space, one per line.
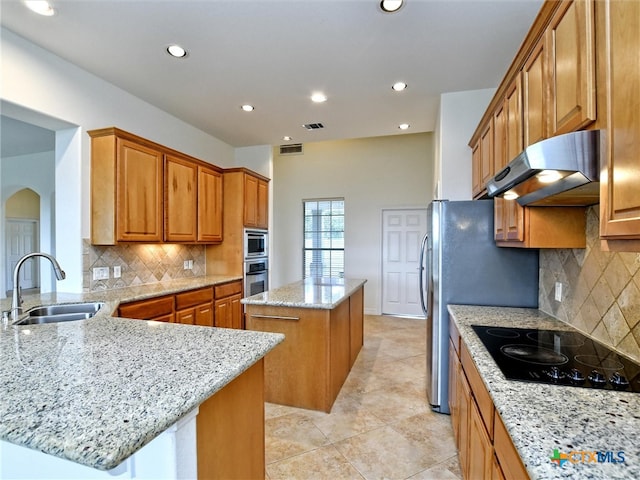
(187,316)
(204,314)
(476,169)
(486,154)
(235,308)
(571,43)
(534,98)
(514,220)
(464,401)
(222,314)
(262,219)
(454,365)
(499,138)
(619,180)
(181,196)
(513,124)
(480,446)
(209,205)
(250,201)
(139,193)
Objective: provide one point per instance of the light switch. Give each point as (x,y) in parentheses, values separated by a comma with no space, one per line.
(558,291)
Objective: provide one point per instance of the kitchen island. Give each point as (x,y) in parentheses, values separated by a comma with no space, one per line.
(97,392)
(322,319)
(543,419)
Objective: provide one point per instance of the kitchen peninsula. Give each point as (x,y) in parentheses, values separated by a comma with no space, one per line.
(97,394)
(322,319)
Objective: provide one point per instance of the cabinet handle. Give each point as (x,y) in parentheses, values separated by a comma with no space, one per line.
(276,317)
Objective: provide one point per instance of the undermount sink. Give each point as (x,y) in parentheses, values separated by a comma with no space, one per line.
(61,313)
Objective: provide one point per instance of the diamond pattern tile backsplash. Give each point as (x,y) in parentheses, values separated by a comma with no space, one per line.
(600,290)
(140,264)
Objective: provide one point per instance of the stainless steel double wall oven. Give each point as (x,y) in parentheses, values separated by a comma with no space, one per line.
(256,261)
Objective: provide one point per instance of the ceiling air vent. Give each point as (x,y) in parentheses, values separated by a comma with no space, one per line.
(313,126)
(291,149)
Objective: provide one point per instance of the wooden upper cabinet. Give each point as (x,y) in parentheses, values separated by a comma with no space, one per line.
(534,111)
(513,123)
(620,173)
(139,193)
(181,197)
(126,190)
(482,161)
(250,201)
(570,41)
(256,202)
(476,169)
(144,192)
(499,138)
(209,205)
(263,204)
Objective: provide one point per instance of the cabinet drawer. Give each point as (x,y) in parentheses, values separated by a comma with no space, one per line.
(506,452)
(193,297)
(221,291)
(146,309)
(479,390)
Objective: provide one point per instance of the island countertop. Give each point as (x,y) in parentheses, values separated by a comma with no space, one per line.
(541,418)
(320,293)
(95,391)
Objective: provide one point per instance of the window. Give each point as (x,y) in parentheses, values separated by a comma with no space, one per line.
(324,238)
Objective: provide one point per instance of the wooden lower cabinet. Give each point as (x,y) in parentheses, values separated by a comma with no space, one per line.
(227,307)
(230,429)
(209,306)
(484,446)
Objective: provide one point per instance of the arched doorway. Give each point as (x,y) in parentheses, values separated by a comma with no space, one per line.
(22,231)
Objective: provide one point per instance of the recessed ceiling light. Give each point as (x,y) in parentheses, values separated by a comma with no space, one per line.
(399,86)
(248,108)
(287,138)
(318,97)
(176,51)
(404,126)
(41,7)
(391,6)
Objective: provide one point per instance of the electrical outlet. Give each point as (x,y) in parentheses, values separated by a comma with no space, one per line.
(101,273)
(558,292)
(117,271)
(188,264)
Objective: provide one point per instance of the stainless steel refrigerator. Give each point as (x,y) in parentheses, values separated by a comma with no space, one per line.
(460,264)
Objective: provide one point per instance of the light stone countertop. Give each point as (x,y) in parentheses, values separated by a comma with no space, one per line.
(541,418)
(320,293)
(95,391)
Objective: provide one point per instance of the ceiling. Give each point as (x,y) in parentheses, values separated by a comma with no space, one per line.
(274,53)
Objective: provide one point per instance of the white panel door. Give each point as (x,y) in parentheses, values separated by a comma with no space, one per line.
(402,232)
(22,238)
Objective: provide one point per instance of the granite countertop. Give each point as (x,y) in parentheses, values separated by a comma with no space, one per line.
(320,293)
(541,418)
(114,297)
(95,391)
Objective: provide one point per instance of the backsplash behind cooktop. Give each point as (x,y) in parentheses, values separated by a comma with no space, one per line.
(601,290)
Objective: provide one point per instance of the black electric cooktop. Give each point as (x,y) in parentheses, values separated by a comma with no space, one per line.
(558,357)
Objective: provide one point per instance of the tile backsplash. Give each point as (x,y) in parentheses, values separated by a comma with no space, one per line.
(600,290)
(140,264)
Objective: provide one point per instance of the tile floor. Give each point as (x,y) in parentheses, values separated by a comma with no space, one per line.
(380,426)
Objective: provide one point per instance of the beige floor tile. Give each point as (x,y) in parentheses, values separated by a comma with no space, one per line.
(290,435)
(446,470)
(321,463)
(384,453)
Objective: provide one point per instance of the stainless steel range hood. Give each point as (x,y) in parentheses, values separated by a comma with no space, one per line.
(559,171)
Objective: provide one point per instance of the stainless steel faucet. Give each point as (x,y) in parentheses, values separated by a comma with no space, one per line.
(16,300)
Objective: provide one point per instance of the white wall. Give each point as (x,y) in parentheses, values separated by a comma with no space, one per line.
(371,174)
(39,85)
(459,115)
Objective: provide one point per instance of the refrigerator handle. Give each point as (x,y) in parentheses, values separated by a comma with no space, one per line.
(421,268)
